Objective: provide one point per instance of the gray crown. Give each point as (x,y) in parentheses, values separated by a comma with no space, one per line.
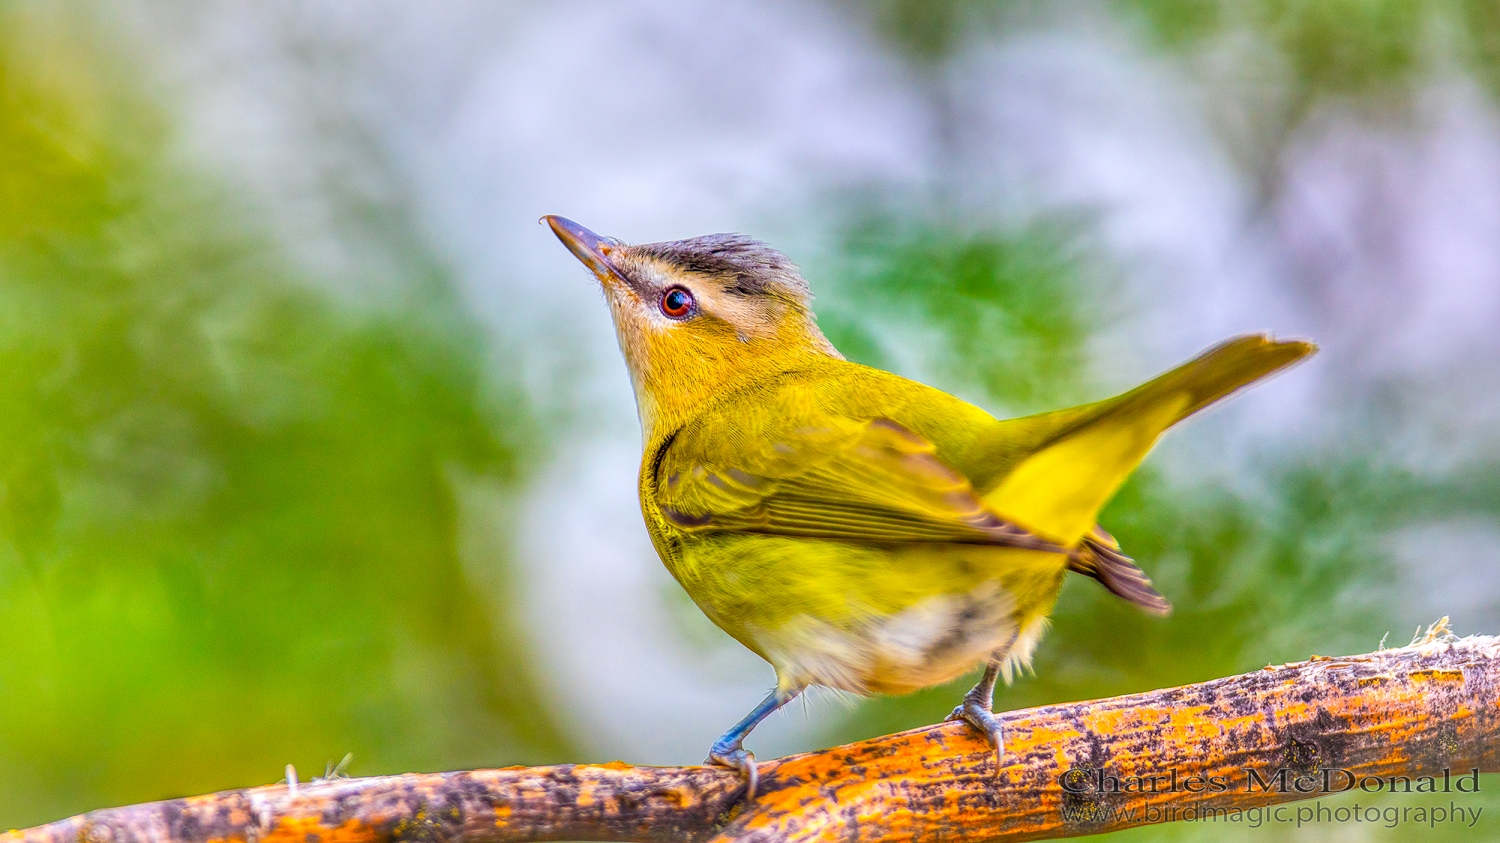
(757,269)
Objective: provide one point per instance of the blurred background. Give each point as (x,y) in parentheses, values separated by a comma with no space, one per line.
(313,442)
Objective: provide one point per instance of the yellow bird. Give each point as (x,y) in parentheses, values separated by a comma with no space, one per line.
(856,529)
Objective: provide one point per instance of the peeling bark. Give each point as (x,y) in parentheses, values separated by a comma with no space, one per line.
(1069,770)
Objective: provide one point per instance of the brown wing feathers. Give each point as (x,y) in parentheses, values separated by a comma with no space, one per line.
(1099,557)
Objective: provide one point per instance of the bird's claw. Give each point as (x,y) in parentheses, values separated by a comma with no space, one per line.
(979,716)
(738,758)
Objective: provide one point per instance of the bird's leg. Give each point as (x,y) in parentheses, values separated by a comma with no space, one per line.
(976,710)
(729,750)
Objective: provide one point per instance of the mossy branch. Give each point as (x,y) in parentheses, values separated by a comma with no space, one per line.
(1298,728)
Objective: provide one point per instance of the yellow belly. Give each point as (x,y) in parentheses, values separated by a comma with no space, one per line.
(867,619)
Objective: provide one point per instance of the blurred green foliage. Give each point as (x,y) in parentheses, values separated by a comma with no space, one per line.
(1343,46)
(925,30)
(229,519)
(1481,22)
(232,507)
(1332,46)
(1292,55)
(1007,307)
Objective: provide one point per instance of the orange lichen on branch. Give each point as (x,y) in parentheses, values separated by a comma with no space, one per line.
(1278,734)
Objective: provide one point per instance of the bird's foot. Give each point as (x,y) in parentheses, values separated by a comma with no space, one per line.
(736,757)
(977,713)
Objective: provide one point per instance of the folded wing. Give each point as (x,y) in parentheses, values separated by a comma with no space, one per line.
(829,477)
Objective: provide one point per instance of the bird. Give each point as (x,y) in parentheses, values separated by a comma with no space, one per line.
(856,529)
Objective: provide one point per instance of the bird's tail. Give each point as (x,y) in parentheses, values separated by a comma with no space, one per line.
(1082,455)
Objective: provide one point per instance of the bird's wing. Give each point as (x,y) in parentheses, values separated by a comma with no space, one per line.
(831,477)
(1099,557)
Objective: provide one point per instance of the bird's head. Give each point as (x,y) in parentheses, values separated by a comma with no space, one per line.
(695,317)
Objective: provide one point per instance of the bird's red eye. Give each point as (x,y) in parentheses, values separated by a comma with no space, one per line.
(676,302)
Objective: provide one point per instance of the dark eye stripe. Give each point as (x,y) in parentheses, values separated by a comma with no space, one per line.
(676,302)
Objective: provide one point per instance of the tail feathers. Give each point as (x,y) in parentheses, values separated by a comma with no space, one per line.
(1057,491)
(1216,373)
(1099,557)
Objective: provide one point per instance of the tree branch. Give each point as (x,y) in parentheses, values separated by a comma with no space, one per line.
(1300,729)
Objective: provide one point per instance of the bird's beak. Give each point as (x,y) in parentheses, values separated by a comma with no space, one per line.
(588,247)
